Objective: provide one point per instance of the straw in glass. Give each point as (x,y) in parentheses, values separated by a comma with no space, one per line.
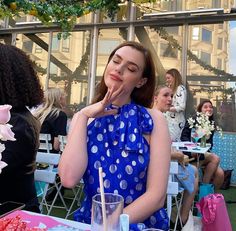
(102,199)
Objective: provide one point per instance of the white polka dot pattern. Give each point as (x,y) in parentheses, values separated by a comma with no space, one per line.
(116,143)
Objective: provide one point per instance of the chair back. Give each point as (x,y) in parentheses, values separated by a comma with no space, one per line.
(44,142)
(63,141)
(173,187)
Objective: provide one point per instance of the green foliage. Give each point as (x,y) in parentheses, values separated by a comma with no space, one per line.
(62,12)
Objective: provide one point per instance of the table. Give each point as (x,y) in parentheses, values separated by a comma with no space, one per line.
(45,221)
(186,146)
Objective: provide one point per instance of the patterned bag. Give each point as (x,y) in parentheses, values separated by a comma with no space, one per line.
(214,213)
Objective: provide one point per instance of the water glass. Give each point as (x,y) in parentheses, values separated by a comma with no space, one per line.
(152,229)
(114,205)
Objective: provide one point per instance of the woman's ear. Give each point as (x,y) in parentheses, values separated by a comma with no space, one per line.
(141,82)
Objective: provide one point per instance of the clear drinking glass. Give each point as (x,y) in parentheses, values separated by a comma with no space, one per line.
(194,135)
(152,229)
(114,205)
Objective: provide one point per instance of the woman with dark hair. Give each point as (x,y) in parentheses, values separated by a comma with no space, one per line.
(120,134)
(19,87)
(212,171)
(175,114)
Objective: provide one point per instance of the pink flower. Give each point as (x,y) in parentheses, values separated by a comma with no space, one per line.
(6,132)
(5,113)
(2,164)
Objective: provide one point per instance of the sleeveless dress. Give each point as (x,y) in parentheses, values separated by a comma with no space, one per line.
(116,144)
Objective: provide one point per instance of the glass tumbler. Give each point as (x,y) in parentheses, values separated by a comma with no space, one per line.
(114,205)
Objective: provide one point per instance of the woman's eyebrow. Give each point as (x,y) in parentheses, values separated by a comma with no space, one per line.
(129,62)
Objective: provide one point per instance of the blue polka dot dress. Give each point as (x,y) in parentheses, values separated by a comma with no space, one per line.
(116,144)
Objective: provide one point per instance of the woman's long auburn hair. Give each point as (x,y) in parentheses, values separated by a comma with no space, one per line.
(143,95)
(177,79)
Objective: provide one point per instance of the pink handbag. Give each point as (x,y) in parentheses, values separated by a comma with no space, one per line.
(214,213)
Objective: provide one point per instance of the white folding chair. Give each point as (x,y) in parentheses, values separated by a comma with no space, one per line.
(63,141)
(77,191)
(44,142)
(172,192)
(52,160)
(49,176)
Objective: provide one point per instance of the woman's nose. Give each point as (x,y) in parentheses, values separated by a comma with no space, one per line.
(119,68)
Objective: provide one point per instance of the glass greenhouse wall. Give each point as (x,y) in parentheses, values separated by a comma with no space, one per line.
(196,37)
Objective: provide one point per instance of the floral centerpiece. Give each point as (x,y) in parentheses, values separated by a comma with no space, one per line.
(203,127)
(5,131)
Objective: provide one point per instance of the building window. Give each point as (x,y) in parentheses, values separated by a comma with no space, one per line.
(219,64)
(216,4)
(175,5)
(195,33)
(220,43)
(206,35)
(206,57)
(38,49)
(53,69)
(172,30)
(105,47)
(167,51)
(196,52)
(55,43)
(27,46)
(66,45)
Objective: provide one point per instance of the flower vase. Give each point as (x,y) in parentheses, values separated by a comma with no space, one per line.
(203,142)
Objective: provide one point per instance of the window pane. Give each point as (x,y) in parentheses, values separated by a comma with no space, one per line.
(213,76)
(206,35)
(206,57)
(195,33)
(220,43)
(167,51)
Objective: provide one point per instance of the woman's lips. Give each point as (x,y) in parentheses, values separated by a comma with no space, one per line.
(115,77)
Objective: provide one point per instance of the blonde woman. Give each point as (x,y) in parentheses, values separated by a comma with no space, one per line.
(52,117)
(162,102)
(175,114)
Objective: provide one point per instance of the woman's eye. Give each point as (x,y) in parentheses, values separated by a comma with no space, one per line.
(115,61)
(131,69)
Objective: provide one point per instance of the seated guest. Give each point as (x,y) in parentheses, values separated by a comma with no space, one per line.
(19,87)
(212,171)
(52,117)
(163,101)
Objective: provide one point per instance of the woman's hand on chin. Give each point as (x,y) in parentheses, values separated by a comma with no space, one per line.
(99,109)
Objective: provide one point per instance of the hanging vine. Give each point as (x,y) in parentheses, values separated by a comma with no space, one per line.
(191,57)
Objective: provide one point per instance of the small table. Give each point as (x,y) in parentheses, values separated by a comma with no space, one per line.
(186,146)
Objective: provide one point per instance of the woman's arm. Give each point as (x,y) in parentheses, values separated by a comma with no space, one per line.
(158,172)
(74,159)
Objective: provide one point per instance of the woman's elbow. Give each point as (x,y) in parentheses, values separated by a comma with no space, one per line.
(67,181)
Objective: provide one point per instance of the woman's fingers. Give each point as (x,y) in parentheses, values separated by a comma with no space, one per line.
(116,93)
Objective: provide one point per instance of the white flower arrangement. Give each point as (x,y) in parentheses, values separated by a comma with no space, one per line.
(203,125)
(5,131)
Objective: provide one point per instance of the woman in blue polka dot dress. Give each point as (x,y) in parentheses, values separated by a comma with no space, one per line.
(129,141)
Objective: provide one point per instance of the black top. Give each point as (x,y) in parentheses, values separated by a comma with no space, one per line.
(55,125)
(17,179)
